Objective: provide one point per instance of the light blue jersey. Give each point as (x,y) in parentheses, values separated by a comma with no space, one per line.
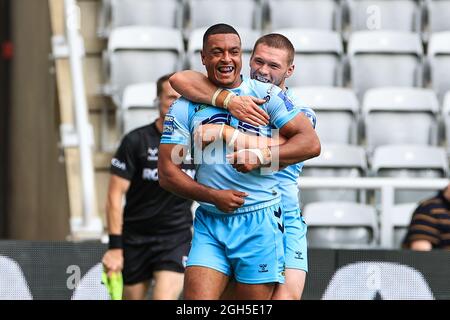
(288,177)
(185,116)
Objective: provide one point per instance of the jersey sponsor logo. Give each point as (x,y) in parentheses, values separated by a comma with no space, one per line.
(168,125)
(150,174)
(152,154)
(118,164)
(287,102)
(298,255)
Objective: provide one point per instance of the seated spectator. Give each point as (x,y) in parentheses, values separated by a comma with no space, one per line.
(430,224)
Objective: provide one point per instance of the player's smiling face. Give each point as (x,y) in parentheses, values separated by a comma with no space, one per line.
(269,64)
(222,59)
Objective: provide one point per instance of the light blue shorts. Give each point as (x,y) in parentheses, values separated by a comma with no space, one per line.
(296,246)
(247,246)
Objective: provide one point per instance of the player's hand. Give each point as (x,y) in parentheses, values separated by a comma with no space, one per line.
(244,161)
(246,108)
(206,134)
(113,261)
(228,200)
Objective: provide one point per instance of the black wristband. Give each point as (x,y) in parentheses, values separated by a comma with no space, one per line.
(115,241)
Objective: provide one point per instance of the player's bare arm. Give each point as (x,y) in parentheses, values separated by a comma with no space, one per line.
(208,133)
(196,87)
(302,144)
(113,258)
(173,179)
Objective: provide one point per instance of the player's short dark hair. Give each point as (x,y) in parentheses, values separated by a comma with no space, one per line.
(278,41)
(220,28)
(161,80)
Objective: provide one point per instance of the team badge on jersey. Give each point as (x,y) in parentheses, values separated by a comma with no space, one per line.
(168,125)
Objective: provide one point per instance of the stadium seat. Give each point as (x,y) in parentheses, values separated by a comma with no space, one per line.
(195,44)
(243,14)
(384,58)
(337,112)
(439,62)
(438,13)
(400,218)
(138,105)
(341,225)
(306,14)
(400,116)
(334,161)
(141,54)
(121,13)
(409,161)
(446,118)
(398,15)
(318,57)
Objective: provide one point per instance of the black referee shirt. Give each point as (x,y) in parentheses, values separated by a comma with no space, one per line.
(149,210)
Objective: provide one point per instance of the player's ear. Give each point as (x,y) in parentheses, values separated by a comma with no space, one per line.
(203,57)
(290,71)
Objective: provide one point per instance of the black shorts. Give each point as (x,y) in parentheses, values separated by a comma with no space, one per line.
(163,252)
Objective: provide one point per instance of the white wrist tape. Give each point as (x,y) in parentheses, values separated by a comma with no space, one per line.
(256,152)
(221,131)
(215,95)
(227,100)
(233,138)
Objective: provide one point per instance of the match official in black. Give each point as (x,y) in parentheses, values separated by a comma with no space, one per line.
(149,238)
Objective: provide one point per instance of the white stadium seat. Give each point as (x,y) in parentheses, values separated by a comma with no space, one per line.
(337,112)
(438,13)
(439,61)
(244,14)
(121,13)
(384,58)
(410,161)
(334,161)
(398,115)
(399,15)
(400,218)
(318,57)
(138,105)
(141,54)
(341,225)
(306,14)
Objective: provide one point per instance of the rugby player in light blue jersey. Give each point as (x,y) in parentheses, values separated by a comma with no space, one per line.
(271,61)
(238,230)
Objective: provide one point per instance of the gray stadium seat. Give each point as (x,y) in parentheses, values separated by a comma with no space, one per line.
(446,118)
(244,14)
(195,44)
(341,225)
(438,13)
(334,161)
(439,62)
(400,218)
(318,57)
(409,161)
(399,15)
(122,13)
(138,105)
(384,58)
(400,116)
(141,54)
(337,112)
(306,14)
